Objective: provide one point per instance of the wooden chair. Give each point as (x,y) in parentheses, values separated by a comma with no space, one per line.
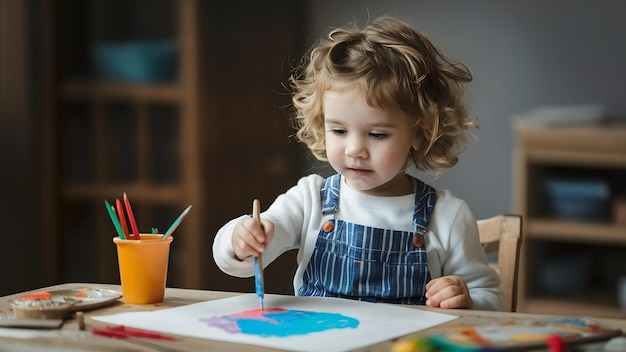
(502,234)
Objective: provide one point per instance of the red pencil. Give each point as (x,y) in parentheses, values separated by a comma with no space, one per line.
(556,343)
(120,214)
(131,218)
(123,332)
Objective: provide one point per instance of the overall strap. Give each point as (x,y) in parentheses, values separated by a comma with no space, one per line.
(425,198)
(330,195)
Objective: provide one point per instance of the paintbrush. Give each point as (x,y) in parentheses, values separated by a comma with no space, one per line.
(259,286)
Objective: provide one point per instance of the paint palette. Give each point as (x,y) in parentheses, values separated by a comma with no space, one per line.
(86,298)
(520,334)
(57,304)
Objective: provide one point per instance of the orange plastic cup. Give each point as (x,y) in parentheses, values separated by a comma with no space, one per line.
(143,268)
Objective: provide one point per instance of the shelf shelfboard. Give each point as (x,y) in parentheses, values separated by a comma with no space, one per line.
(599,145)
(573,231)
(138,192)
(563,306)
(171,93)
(576,158)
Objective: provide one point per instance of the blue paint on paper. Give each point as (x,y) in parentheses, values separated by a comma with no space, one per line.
(281,322)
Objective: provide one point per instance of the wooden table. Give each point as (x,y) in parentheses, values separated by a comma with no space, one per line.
(70,337)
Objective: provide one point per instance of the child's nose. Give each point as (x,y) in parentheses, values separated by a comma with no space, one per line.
(356,148)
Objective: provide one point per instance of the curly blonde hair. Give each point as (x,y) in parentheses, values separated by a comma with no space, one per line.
(395,66)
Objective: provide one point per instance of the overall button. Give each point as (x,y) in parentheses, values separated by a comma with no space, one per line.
(328,226)
(418,241)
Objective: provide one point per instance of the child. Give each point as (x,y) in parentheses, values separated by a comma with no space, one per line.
(373,102)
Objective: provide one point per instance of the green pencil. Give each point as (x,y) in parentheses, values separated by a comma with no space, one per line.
(116,221)
(176,223)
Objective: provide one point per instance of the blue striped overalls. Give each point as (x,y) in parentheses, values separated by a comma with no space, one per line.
(366,263)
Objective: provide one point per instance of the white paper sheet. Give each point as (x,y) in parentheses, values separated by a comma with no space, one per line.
(376,322)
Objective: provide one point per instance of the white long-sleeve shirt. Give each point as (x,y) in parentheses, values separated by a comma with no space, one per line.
(452,242)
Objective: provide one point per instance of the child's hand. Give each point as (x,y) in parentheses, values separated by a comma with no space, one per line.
(448,292)
(250,237)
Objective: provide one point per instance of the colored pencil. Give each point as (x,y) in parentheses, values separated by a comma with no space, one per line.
(120,215)
(114,219)
(131,218)
(259,284)
(176,222)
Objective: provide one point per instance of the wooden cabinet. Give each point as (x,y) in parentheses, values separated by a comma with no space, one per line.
(210,133)
(570,265)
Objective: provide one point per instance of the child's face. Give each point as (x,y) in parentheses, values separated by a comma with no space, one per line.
(367,145)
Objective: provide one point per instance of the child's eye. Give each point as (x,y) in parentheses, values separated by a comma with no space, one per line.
(338,131)
(378,135)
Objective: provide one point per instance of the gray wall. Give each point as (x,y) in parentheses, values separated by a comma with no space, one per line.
(522,54)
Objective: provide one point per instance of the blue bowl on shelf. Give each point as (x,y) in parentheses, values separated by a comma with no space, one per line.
(141,61)
(578,199)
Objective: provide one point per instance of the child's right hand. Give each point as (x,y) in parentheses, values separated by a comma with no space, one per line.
(250,237)
(449,291)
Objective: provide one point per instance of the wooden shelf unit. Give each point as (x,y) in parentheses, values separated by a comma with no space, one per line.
(594,151)
(215,136)
(77,243)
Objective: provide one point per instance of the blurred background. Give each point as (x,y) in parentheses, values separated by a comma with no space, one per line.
(179,102)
